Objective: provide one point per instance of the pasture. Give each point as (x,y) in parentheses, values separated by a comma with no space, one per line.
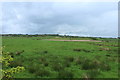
(46,57)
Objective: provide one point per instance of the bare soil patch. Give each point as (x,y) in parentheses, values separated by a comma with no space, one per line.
(75,40)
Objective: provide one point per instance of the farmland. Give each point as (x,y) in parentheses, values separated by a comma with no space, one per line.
(47,57)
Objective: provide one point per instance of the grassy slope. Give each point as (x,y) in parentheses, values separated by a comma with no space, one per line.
(54,52)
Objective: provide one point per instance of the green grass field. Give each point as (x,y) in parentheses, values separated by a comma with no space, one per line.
(61,59)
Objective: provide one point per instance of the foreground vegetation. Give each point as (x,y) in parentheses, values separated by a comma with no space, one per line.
(42,58)
(6,72)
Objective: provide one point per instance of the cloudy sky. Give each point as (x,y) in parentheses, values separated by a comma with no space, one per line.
(73,18)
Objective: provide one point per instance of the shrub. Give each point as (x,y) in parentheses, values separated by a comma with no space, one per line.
(89,64)
(7,72)
(93,38)
(42,72)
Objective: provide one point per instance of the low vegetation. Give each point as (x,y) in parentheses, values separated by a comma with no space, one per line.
(42,58)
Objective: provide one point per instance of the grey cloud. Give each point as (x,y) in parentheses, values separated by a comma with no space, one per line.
(82,19)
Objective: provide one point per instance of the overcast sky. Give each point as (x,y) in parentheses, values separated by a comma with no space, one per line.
(81,18)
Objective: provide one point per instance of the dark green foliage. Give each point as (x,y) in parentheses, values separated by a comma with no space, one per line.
(45,52)
(46,64)
(69,58)
(77,50)
(93,38)
(42,72)
(12,54)
(84,50)
(108,55)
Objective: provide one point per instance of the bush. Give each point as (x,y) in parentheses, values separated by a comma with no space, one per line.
(93,38)
(7,72)
(42,72)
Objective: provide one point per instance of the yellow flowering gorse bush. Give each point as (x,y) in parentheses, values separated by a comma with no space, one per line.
(7,72)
